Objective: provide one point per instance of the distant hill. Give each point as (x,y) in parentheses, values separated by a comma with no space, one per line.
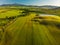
(12,5)
(58,8)
(49,7)
(43,7)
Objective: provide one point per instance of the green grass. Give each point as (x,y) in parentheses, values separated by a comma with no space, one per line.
(24,31)
(9,13)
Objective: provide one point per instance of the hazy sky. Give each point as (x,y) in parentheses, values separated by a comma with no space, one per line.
(32,2)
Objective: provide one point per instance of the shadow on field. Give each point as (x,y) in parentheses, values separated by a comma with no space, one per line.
(47,22)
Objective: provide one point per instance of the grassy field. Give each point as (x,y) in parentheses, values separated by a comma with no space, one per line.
(29,29)
(9,12)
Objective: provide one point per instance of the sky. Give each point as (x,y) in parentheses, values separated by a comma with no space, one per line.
(32,2)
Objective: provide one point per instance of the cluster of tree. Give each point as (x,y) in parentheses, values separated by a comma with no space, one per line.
(11,18)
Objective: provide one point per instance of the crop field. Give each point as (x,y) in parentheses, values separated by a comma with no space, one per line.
(18,27)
